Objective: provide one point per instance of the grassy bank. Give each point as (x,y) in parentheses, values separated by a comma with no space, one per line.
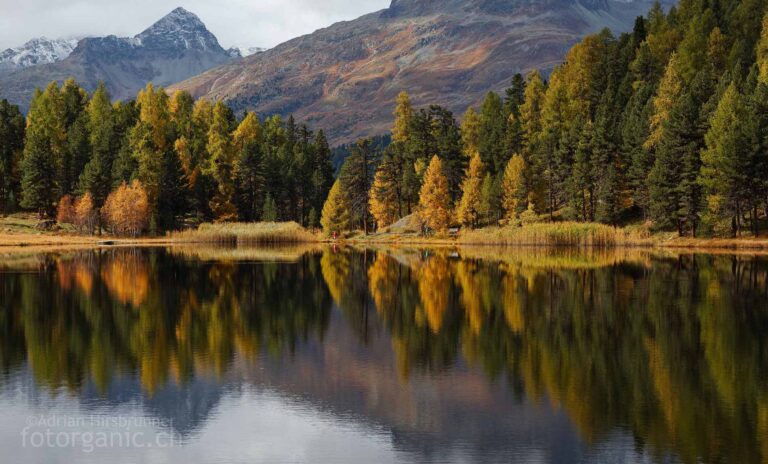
(235,233)
(21,231)
(575,234)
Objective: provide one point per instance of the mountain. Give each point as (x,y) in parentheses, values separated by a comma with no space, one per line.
(345,78)
(37,51)
(176,47)
(241,51)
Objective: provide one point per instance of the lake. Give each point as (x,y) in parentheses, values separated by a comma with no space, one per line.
(334,355)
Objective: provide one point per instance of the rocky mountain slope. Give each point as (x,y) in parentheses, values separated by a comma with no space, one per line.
(176,47)
(345,78)
(37,51)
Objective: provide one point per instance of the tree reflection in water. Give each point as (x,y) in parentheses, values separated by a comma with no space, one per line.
(672,347)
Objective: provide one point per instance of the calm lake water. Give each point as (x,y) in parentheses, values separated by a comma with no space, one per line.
(326,355)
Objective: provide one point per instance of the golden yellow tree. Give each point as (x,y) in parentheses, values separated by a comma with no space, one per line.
(248,131)
(384,197)
(85,214)
(762,52)
(434,199)
(468,211)
(470,132)
(403,116)
(335,216)
(670,88)
(513,186)
(126,211)
(65,211)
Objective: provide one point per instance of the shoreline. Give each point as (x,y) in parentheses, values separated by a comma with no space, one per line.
(49,240)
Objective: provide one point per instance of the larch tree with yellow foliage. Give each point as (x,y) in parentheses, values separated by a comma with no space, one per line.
(335,217)
(670,88)
(384,197)
(470,132)
(469,208)
(403,115)
(513,186)
(434,199)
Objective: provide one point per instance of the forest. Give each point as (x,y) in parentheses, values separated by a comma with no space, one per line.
(663,126)
(157,163)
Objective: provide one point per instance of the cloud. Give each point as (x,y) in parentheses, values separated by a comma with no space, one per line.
(263,23)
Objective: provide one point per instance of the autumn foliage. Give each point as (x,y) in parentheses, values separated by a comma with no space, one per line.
(434,201)
(126,211)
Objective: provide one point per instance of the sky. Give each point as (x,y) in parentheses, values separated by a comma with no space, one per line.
(249,23)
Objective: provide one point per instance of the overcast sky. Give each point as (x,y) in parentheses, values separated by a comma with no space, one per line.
(258,23)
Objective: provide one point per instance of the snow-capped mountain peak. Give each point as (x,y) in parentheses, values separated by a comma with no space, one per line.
(241,51)
(40,50)
(179,29)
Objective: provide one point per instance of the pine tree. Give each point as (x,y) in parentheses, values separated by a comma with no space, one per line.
(75,123)
(97,176)
(43,152)
(582,182)
(728,160)
(513,187)
(681,141)
(355,177)
(447,142)
(221,165)
(335,216)
(269,211)
(171,203)
(11,147)
(468,210)
(250,182)
(249,168)
(434,199)
(492,134)
(323,177)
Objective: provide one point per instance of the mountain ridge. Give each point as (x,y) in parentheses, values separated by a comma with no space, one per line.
(345,77)
(175,47)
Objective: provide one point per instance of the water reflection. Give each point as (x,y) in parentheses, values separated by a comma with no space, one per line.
(452,355)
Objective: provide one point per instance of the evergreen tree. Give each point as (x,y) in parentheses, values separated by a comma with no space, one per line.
(672,171)
(323,171)
(250,182)
(44,147)
(269,211)
(492,134)
(222,163)
(728,160)
(249,168)
(355,177)
(97,176)
(171,203)
(11,148)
